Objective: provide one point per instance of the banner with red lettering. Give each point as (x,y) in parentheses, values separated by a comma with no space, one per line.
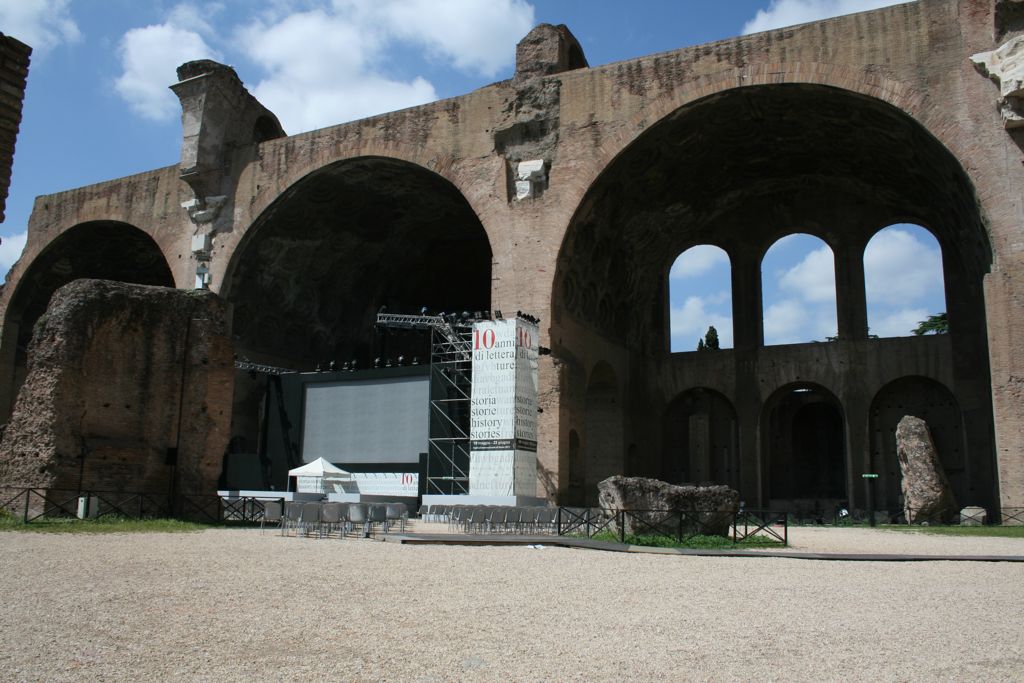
(503,409)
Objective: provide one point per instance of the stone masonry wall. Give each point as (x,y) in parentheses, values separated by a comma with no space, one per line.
(14,59)
(109,366)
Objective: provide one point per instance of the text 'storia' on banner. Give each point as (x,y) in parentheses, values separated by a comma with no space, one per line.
(503,408)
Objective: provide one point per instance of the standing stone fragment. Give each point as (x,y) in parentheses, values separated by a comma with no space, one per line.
(926,492)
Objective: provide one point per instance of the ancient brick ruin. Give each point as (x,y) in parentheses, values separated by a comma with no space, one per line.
(14,59)
(567,192)
(129,386)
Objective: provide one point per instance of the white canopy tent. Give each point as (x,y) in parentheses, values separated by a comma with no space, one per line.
(320,470)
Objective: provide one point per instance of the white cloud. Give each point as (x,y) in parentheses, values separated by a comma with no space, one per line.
(321,71)
(150,55)
(791,12)
(814,278)
(899,323)
(690,322)
(41,24)
(784,322)
(900,269)
(474,35)
(697,260)
(328,64)
(10,250)
(792,321)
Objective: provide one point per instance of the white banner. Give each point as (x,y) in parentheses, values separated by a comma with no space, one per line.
(503,409)
(404,484)
(398,484)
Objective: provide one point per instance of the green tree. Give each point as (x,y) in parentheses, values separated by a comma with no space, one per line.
(711,339)
(934,324)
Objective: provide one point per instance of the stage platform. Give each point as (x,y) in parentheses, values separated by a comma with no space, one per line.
(313,497)
(502,501)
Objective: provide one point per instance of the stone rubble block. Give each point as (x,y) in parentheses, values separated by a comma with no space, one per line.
(713,507)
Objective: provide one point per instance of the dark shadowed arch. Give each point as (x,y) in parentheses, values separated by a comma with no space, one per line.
(935,404)
(105,250)
(803,429)
(310,275)
(700,439)
(739,169)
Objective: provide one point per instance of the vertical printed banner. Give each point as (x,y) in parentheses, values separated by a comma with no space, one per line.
(503,412)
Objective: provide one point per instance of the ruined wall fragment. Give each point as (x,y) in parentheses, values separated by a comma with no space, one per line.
(128,389)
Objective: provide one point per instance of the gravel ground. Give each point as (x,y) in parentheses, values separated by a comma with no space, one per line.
(234,605)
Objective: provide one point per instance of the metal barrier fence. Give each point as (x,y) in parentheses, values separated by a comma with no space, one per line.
(674,525)
(34,504)
(918,516)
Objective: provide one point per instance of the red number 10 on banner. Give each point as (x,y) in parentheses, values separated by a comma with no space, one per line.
(523,338)
(483,339)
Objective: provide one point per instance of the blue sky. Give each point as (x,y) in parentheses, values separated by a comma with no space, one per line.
(902,278)
(98,106)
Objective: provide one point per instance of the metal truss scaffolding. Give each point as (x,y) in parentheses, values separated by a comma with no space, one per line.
(451,381)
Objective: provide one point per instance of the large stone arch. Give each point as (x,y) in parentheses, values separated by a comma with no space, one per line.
(739,163)
(101,249)
(289,162)
(311,273)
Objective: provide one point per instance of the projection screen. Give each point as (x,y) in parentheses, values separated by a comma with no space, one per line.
(366,421)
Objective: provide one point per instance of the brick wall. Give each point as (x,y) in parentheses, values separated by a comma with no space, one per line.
(14,59)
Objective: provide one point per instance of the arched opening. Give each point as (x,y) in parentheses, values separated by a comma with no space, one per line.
(701,439)
(805,449)
(313,271)
(700,297)
(799,291)
(937,406)
(105,250)
(903,282)
(741,169)
(603,454)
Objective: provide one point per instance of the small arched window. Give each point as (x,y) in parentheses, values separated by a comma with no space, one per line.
(903,282)
(700,297)
(798,282)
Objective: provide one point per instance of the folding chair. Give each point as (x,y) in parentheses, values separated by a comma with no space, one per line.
(425,513)
(309,517)
(378,517)
(330,518)
(292,513)
(357,516)
(396,514)
(271,513)
(477,520)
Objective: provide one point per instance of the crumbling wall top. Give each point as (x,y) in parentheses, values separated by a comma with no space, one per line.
(547,50)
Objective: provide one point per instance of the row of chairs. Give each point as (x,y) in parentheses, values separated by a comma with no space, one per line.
(493,519)
(325,519)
